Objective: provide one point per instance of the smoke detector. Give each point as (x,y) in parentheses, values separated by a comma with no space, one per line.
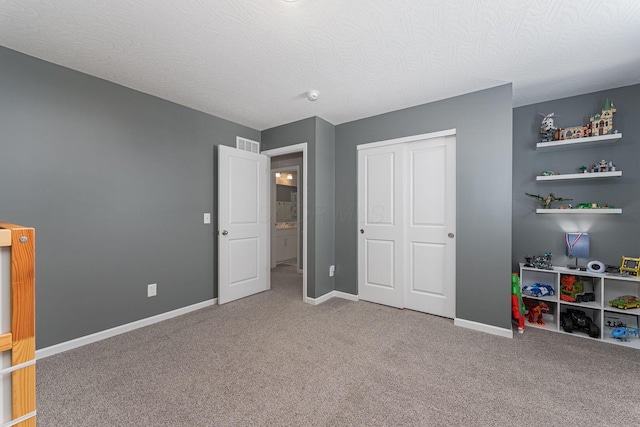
(312,95)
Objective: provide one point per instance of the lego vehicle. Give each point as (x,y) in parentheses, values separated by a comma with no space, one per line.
(572,290)
(538,290)
(577,320)
(623,334)
(625,301)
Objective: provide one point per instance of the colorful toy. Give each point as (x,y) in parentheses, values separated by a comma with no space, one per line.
(603,166)
(536,310)
(577,320)
(599,124)
(538,290)
(572,290)
(517,305)
(623,334)
(630,266)
(542,262)
(545,202)
(624,302)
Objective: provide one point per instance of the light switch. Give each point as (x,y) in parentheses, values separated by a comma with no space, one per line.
(207,218)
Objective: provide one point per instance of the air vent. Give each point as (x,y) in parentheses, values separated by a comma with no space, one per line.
(247,145)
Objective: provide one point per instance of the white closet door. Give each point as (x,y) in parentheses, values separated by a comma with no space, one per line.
(380,257)
(430,226)
(406,221)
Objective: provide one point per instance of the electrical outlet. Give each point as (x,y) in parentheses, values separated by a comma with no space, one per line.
(207,218)
(332,270)
(152,290)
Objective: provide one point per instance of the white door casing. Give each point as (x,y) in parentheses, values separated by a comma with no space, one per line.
(406,208)
(243,222)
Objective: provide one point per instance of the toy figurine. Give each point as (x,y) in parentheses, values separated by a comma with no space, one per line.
(517,305)
(536,310)
(545,202)
(547,129)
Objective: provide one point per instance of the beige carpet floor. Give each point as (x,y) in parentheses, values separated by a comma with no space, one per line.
(271,360)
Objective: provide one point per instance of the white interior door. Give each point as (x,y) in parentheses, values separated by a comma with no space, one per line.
(430,226)
(406,221)
(243,221)
(380,226)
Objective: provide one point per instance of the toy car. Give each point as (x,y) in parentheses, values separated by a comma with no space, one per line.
(538,290)
(577,320)
(625,301)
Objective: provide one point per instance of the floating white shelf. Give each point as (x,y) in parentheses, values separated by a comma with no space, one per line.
(582,142)
(579,211)
(594,175)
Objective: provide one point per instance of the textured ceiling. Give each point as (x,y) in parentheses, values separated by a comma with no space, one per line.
(251,61)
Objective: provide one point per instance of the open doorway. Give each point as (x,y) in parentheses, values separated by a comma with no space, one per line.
(285,196)
(289,210)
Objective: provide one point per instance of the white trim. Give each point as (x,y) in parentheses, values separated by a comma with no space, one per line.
(18,367)
(321,299)
(438,134)
(296,148)
(330,295)
(20,419)
(344,295)
(99,336)
(489,329)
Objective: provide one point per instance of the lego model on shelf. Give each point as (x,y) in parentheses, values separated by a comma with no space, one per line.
(581,306)
(599,128)
(598,131)
(601,169)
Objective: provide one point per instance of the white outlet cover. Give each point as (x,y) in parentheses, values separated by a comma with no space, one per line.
(152,290)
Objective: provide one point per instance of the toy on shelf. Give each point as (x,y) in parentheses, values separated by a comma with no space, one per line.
(545,202)
(591,205)
(547,128)
(623,334)
(572,290)
(536,311)
(542,262)
(538,290)
(548,173)
(624,302)
(603,166)
(599,124)
(517,305)
(630,266)
(577,320)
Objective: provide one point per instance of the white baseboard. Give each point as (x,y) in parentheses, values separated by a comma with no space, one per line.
(98,336)
(332,294)
(320,300)
(494,330)
(344,295)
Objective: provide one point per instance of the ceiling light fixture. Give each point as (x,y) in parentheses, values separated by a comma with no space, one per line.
(312,95)
(277,174)
(289,176)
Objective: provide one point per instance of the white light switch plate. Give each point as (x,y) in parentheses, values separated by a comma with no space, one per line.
(207,218)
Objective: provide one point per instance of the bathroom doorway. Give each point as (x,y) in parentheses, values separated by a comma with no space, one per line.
(289,210)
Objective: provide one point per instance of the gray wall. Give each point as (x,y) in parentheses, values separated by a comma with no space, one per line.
(115,183)
(611,236)
(320,137)
(484,127)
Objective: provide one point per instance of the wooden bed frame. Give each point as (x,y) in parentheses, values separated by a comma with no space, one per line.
(21,340)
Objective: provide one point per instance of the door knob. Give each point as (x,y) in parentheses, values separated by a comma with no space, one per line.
(225,232)
(362,231)
(451,235)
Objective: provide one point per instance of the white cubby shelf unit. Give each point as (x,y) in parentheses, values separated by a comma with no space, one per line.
(606,287)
